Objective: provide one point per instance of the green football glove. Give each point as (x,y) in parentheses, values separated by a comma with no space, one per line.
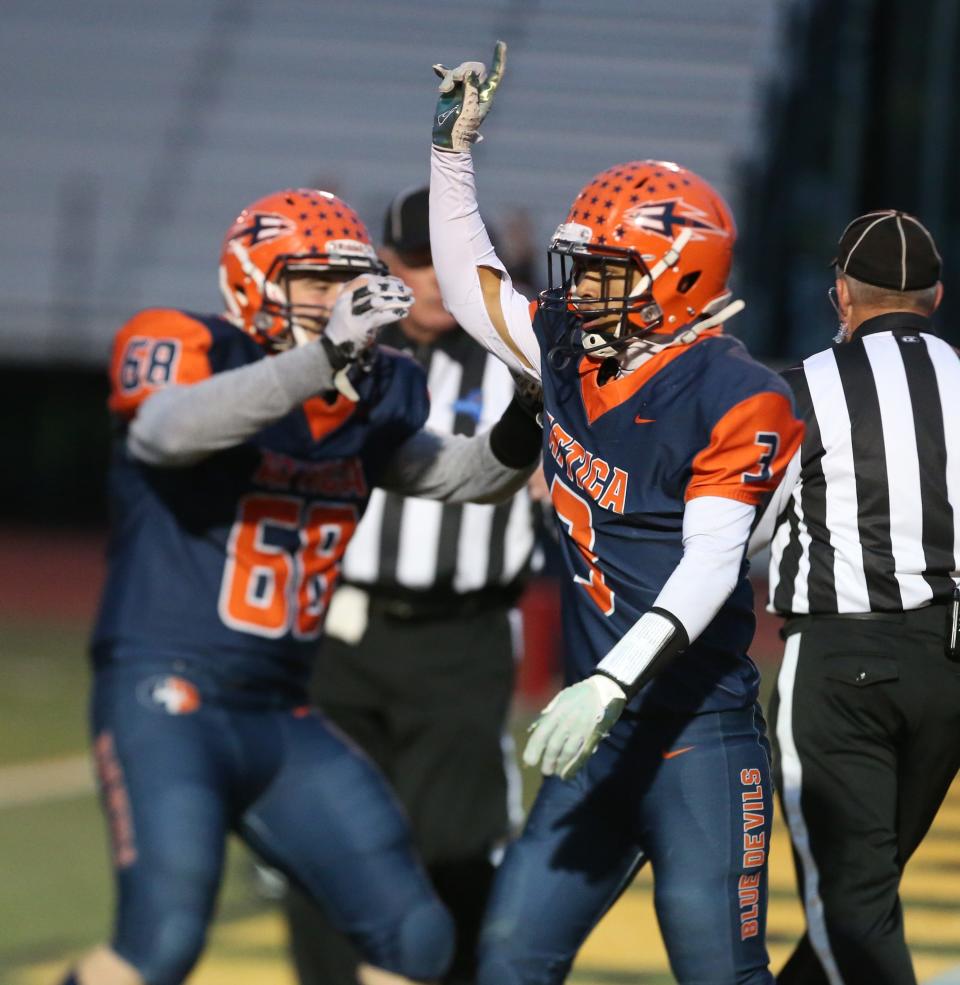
(466,95)
(570,728)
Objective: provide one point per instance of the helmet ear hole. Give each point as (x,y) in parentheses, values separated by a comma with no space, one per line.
(687,281)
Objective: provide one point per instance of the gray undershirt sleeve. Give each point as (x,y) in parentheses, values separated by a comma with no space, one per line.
(454,468)
(180,425)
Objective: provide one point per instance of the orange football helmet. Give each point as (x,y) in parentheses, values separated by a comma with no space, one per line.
(660,225)
(294,230)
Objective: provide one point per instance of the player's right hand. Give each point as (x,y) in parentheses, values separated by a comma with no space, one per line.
(466,95)
(364,306)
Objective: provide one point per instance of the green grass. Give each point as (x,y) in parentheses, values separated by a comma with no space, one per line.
(54,897)
(43,701)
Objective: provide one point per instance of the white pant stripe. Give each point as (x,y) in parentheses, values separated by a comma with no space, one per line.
(792,786)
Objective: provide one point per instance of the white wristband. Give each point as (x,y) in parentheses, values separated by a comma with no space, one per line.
(637,648)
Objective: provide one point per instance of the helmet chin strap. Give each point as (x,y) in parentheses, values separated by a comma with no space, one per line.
(664,263)
(639,351)
(597,345)
(634,352)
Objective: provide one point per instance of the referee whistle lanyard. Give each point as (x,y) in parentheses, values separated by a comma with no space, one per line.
(952,643)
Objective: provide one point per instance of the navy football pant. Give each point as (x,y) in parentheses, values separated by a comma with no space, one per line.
(690,795)
(176,778)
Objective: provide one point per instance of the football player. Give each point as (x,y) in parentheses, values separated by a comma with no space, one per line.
(663,440)
(247,445)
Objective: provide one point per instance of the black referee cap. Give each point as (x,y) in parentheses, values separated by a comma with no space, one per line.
(890,249)
(406,226)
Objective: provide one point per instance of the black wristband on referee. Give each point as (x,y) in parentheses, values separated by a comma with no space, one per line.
(516,438)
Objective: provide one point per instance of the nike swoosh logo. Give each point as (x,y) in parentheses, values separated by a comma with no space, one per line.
(443,117)
(677,752)
(644,420)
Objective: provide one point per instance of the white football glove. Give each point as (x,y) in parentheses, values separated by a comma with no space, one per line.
(466,95)
(570,728)
(364,306)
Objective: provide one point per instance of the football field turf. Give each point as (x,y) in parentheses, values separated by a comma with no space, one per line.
(55,891)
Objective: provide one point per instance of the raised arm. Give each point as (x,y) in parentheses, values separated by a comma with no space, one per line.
(476,288)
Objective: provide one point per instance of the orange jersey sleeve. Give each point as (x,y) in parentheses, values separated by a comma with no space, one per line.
(158,347)
(749,449)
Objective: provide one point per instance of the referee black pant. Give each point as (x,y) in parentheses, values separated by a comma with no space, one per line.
(866,725)
(427,699)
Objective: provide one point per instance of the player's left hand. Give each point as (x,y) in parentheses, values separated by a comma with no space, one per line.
(364,306)
(570,728)
(466,95)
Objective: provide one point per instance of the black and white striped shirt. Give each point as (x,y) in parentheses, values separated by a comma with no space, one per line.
(409,544)
(873,524)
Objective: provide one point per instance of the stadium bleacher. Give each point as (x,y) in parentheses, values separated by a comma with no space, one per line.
(134,132)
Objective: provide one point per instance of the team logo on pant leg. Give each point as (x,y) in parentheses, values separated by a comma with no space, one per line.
(174,695)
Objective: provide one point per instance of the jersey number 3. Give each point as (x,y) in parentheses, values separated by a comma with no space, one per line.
(270,590)
(575,515)
(770,442)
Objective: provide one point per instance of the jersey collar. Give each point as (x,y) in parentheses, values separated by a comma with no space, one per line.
(597,400)
(909,321)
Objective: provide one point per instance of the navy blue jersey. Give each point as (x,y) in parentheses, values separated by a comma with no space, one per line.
(229,563)
(622,460)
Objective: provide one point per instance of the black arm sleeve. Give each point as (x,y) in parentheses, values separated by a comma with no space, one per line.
(516,439)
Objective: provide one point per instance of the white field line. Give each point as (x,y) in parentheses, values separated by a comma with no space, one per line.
(45,781)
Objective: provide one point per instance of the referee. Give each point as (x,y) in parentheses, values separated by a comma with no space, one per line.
(417,666)
(864,566)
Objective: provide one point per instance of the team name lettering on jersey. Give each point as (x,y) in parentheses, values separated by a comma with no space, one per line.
(605,485)
(335,477)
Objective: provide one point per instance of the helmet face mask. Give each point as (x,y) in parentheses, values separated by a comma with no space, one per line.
(605,293)
(643,254)
(289,236)
(305,299)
